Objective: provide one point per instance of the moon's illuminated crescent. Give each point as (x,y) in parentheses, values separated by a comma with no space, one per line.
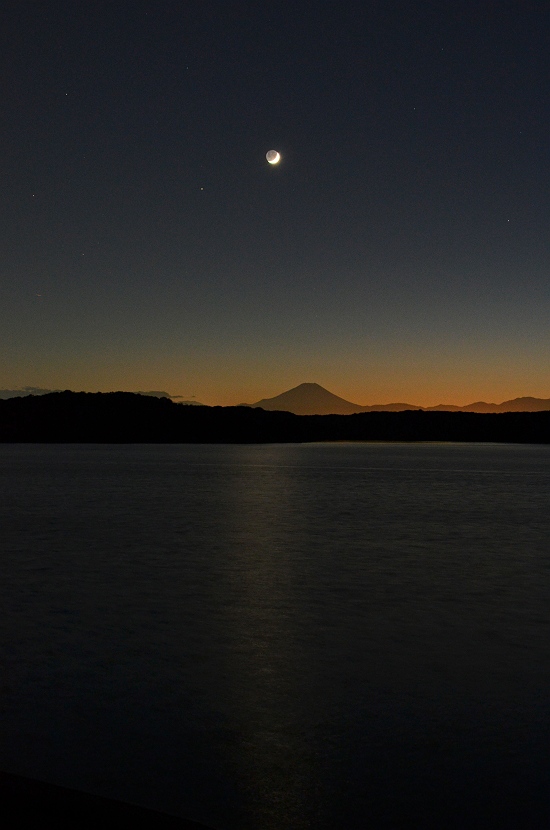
(273,156)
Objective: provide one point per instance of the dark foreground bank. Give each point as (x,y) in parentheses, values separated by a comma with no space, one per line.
(29,803)
(124,417)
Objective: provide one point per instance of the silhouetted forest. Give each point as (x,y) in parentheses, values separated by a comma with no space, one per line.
(124,417)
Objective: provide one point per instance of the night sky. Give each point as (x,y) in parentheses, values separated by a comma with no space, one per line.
(400,251)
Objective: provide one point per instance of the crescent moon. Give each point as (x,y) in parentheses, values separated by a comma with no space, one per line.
(273,157)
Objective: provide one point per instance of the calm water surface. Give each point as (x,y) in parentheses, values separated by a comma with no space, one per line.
(281,636)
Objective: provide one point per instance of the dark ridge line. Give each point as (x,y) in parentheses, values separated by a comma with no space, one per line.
(125,417)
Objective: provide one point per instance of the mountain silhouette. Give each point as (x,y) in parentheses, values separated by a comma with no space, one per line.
(24,391)
(516,405)
(313,399)
(308,399)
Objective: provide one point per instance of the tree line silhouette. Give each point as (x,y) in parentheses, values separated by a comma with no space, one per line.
(125,417)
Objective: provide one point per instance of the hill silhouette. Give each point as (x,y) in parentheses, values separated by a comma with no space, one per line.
(24,391)
(313,399)
(124,417)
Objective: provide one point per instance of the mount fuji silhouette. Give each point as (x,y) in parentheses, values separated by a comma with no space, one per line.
(313,399)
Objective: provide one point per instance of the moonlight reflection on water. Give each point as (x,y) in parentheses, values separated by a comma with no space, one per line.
(281,636)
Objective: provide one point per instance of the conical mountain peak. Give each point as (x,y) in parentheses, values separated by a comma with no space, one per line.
(309,399)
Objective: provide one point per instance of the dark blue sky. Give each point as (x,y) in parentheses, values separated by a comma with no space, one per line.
(400,250)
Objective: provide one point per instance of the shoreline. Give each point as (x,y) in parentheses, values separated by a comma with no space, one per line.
(36,803)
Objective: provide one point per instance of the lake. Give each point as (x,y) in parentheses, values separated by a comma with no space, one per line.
(262,637)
